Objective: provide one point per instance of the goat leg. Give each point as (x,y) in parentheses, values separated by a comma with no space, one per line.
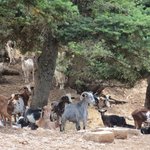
(78,126)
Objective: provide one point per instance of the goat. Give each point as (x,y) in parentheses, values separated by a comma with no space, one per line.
(10,48)
(44,120)
(30,117)
(107,101)
(102,102)
(58,107)
(27,68)
(54,116)
(3,109)
(145,130)
(60,79)
(22,121)
(18,102)
(27,91)
(113,120)
(140,116)
(77,112)
(16,106)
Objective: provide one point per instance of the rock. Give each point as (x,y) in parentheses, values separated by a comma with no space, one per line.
(119,133)
(134,132)
(101,136)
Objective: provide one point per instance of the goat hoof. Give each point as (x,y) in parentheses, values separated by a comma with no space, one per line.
(61,129)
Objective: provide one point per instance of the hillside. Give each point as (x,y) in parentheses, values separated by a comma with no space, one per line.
(14,139)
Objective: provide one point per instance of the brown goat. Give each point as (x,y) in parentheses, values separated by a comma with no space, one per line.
(26,94)
(44,121)
(140,116)
(4,101)
(18,102)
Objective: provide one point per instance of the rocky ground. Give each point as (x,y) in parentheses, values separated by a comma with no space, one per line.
(44,139)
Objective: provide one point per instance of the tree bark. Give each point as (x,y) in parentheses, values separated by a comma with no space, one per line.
(147,99)
(44,71)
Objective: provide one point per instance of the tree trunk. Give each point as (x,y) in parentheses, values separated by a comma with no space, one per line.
(147,99)
(44,71)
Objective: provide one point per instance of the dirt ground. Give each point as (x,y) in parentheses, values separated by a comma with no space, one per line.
(44,139)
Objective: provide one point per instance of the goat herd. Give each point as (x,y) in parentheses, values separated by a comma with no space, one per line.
(63,110)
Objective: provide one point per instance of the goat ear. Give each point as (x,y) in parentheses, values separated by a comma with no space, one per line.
(105,110)
(99,110)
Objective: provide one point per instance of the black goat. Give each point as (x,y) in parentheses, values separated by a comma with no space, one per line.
(58,107)
(113,120)
(30,117)
(145,130)
(22,122)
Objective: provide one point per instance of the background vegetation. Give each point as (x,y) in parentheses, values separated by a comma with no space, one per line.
(119,43)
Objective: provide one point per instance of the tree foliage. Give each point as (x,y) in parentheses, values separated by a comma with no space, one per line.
(118,34)
(109,39)
(29,21)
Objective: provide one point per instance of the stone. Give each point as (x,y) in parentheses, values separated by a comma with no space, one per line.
(100,136)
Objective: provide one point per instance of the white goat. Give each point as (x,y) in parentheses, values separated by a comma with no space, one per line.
(10,48)
(77,112)
(18,102)
(27,68)
(60,79)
